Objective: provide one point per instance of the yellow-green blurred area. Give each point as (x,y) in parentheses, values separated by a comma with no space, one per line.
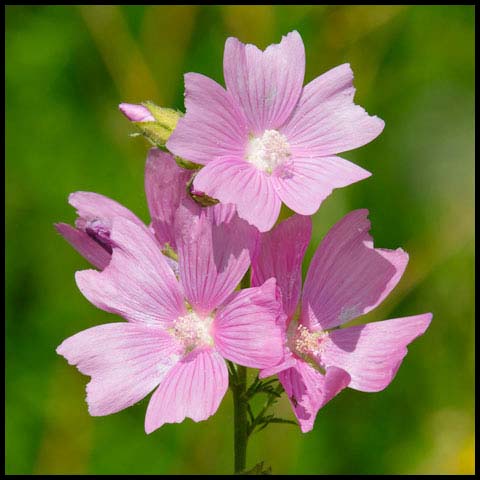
(68,68)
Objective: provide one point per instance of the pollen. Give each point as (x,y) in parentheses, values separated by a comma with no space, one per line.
(268,151)
(193,331)
(307,342)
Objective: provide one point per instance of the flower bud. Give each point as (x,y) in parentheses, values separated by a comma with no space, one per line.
(136,113)
(155,123)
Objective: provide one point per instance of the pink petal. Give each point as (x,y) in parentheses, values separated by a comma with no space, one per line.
(193,388)
(372,353)
(138,283)
(91,205)
(214,251)
(213,124)
(280,254)
(165,188)
(233,180)
(126,362)
(247,329)
(303,183)
(136,113)
(347,276)
(326,121)
(266,84)
(84,245)
(308,390)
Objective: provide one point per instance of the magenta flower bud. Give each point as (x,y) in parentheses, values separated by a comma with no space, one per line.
(136,113)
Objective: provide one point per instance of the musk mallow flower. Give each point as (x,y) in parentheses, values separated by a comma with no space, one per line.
(165,189)
(266,139)
(347,278)
(178,332)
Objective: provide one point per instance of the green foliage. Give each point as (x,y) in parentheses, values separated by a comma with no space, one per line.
(68,68)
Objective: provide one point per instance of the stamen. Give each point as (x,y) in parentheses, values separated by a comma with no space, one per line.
(306,342)
(193,330)
(268,151)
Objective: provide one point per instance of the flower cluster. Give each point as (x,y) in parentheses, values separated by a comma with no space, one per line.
(234,157)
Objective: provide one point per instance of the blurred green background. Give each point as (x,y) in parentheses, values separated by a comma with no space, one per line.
(67,69)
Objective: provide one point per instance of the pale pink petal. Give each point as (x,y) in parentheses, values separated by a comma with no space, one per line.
(247,330)
(289,360)
(92,205)
(326,121)
(303,183)
(214,251)
(280,254)
(347,276)
(233,180)
(213,124)
(138,283)
(126,362)
(308,390)
(136,113)
(266,84)
(193,388)
(372,353)
(84,245)
(165,188)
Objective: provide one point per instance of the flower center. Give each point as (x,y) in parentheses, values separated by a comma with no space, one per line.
(268,151)
(193,330)
(307,343)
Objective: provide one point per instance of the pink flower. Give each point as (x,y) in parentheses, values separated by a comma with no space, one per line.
(165,188)
(178,332)
(265,139)
(136,113)
(347,278)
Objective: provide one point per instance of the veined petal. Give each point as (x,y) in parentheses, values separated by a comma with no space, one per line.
(214,251)
(266,84)
(84,245)
(308,390)
(193,388)
(93,205)
(165,188)
(348,277)
(233,180)
(138,283)
(372,353)
(326,121)
(213,125)
(303,183)
(126,362)
(280,254)
(247,330)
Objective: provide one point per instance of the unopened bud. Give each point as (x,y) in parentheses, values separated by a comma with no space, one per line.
(155,123)
(136,113)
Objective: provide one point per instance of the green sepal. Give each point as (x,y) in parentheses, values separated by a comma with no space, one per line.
(166,117)
(182,163)
(154,132)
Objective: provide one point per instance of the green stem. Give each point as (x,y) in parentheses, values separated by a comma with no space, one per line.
(240,419)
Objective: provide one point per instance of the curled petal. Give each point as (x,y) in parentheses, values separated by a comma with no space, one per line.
(372,353)
(348,277)
(308,390)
